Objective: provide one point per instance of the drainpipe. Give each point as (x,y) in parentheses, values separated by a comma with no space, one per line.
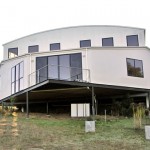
(29,77)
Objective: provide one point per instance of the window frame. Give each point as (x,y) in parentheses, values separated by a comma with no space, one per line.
(107,39)
(16,81)
(142,69)
(33,46)
(15,54)
(127,40)
(55,49)
(81,42)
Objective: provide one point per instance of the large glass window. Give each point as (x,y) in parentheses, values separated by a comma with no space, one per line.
(12,52)
(135,67)
(107,41)
(17,78)
(63,67)
(32,49)
(55,46)
(132,40)
(85,43)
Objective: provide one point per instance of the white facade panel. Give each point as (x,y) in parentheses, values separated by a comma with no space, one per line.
(109,66)
(70,38)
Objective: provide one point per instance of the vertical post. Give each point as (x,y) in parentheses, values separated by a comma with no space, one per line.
(147,100)
(105,115)
(47,108)
(93,106)
(27,104)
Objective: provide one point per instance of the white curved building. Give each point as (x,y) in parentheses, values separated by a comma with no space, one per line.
(112,59)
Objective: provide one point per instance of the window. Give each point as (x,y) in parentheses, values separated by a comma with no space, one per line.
(62,67)
(41,67)
(32,49)
(135,67)
(55,46)
(107,41)
(12,52)
(85,43)
(17,78)
(132,40)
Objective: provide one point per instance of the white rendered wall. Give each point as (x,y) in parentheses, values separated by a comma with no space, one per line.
(70,38)
(108,66)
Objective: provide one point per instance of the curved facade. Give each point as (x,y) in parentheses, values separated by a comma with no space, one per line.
(103,55)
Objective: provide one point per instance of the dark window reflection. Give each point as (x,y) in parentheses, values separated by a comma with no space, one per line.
(107,42)
(55,46)
(12,52)
(85,43)
(41,67)
(132,40)
(63,67)
(135,67)
(53,67)
(32,49)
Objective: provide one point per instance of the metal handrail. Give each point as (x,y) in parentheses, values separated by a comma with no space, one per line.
(36,74)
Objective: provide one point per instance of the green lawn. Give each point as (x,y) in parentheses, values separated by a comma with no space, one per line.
(60,132)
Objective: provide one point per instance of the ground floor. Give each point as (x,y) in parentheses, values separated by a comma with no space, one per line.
(56,96)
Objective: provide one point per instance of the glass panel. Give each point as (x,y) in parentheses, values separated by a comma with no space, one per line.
(53,67)
(64,67)
(130,67)
(76,66)
(132,40)
(17,72)
(41,66)
(138,68)
(17,85)
(12,52)
(13,88)
(55,46)
(85,43)
(13,74)
(21,83)
(32,49)
(21,70)
(107,42)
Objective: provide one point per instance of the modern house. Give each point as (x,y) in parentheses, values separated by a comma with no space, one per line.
(83,64)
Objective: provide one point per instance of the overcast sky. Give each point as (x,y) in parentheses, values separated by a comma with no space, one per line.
(23,17)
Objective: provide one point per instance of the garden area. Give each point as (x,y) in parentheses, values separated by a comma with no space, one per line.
(60,131)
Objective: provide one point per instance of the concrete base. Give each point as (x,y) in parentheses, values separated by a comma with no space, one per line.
(89,126)
(147,132)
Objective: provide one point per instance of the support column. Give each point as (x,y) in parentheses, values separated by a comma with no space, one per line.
(47,108)
(27,104)
(148,100)
(93,103)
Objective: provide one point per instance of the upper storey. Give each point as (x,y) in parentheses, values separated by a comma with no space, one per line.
(75,37)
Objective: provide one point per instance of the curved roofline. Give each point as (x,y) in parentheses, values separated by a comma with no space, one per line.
(119,26)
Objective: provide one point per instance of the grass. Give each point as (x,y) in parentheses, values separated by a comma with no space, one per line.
(60,132)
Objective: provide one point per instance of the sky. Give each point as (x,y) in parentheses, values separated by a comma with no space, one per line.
(19,18)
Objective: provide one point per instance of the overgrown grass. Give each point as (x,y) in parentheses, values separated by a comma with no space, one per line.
(61,132)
